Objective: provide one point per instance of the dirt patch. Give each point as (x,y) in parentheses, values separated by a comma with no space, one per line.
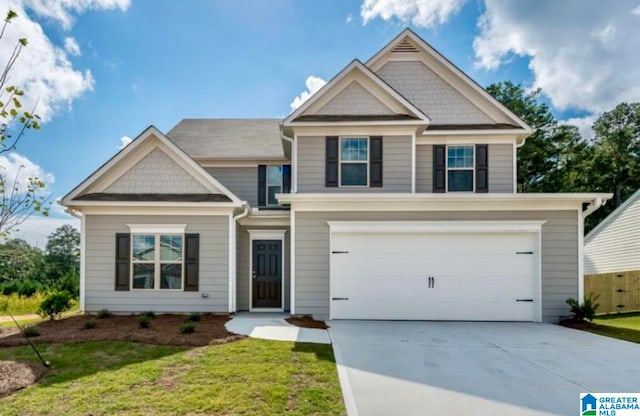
(307,322)
(164,330)
(15,375)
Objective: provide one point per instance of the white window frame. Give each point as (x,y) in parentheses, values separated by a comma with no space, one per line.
(472,168)
(156,231)
(364,162)
(266,202)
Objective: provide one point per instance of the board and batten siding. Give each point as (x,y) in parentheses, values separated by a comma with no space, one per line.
(396,166)
(559,253)
(616,246)
(242,181)
(100,249)
(500,168)
(243,268)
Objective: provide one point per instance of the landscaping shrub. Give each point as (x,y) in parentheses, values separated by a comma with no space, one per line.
(188,328)
(30,331)
(144,321)
(54,304)
(103,313)
(194,317)
(585,311)
(150,314)
(90,324)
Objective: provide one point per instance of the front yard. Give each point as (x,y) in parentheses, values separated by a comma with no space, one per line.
(247,377)
(621,326)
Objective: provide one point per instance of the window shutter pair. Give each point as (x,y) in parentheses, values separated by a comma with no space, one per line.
(191,261)
(481,168)
(262,183)
(332,161)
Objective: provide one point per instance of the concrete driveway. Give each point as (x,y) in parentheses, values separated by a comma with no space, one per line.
(469,368)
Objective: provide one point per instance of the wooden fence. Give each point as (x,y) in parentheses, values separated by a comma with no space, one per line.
(619,292)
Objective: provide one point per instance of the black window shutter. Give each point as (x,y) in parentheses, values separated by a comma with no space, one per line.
(262,186)
(191,262)
(331,162)
(286,179)
(375,162)
(439,168)
(123,260)
(482,168)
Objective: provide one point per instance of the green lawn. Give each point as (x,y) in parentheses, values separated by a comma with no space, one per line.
(621,326)
(247,377)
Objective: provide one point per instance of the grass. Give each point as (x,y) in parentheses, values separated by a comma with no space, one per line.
(11,324)
(17,305)
(247,377)
(622,326)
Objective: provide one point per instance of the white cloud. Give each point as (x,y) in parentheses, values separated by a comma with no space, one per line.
(37,228)
(425,13)
(43,68)
(124,141)
(349,18)
(313,84)
(16,166)
(583,124)
(636,11)
(582,55)
(71,46)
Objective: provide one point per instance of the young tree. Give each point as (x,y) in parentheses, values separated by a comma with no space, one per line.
(19,198)
(63,259)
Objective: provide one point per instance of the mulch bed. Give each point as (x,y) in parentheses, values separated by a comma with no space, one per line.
(15,375)
(164,330)
(307,322)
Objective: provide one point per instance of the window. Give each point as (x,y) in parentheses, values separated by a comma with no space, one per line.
(274,184)
(460,168)
(354,162)
(156,261)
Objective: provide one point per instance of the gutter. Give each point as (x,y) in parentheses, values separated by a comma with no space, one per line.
(593,206)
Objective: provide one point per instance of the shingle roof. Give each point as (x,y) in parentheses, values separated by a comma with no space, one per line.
(229,138)
(154,197)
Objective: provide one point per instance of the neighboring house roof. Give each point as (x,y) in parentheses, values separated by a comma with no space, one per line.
(229,138)
(611,217)
(144,145)
(99,196)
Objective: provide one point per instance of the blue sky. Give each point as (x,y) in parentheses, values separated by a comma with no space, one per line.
(155,62)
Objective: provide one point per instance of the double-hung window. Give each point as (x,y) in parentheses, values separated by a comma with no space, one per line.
(460,172)
(354,161)
(274,184)
(157,261)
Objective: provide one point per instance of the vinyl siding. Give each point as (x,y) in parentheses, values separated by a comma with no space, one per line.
(100,266)
(500,168)
(243,269)
(242,181)
(616,246)
(396,169)
(559,253)
(354,99)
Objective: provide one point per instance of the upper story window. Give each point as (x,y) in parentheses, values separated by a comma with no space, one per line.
(274,184)
(156,261)
(272,180)
(354,161)
(460,163)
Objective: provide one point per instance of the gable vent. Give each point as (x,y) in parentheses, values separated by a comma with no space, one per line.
(404,46)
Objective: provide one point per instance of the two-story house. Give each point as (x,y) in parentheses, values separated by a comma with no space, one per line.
(389,194)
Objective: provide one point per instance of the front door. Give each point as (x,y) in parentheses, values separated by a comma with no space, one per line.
(266,276)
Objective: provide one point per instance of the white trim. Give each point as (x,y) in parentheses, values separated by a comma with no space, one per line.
(465,139)
(157,261)
(232,260)
(413,162)
(292,262)
(468,132)
(349,130)
(266,235)
(240,163)
(264,221)
(539,275)
(294,164)
(124,204)
(384,123)
(615,214)
(156,210)
(580,257)
(157,228)
(83,262)
(514,162)
(420,227)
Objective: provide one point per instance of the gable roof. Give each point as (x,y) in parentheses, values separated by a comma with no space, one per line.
(151,132)
(417,116)
(611,217)
(408,42)
(229,138)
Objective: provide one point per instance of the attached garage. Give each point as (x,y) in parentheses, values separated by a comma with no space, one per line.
(436,270)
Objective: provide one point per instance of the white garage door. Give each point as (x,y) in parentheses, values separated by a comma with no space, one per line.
(488,276)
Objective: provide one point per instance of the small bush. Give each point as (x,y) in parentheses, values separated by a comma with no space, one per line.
(188,328)
(103,313)
(30,331)
(194,317)
(144,321)
(54,304)
(585,311)
(150,314)
(90,324)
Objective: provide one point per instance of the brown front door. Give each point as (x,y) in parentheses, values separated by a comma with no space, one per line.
(267,274)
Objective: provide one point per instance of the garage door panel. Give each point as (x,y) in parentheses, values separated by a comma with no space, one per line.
(475,276)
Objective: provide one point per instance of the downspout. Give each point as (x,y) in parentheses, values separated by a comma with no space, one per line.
(232,249)
(593,206)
